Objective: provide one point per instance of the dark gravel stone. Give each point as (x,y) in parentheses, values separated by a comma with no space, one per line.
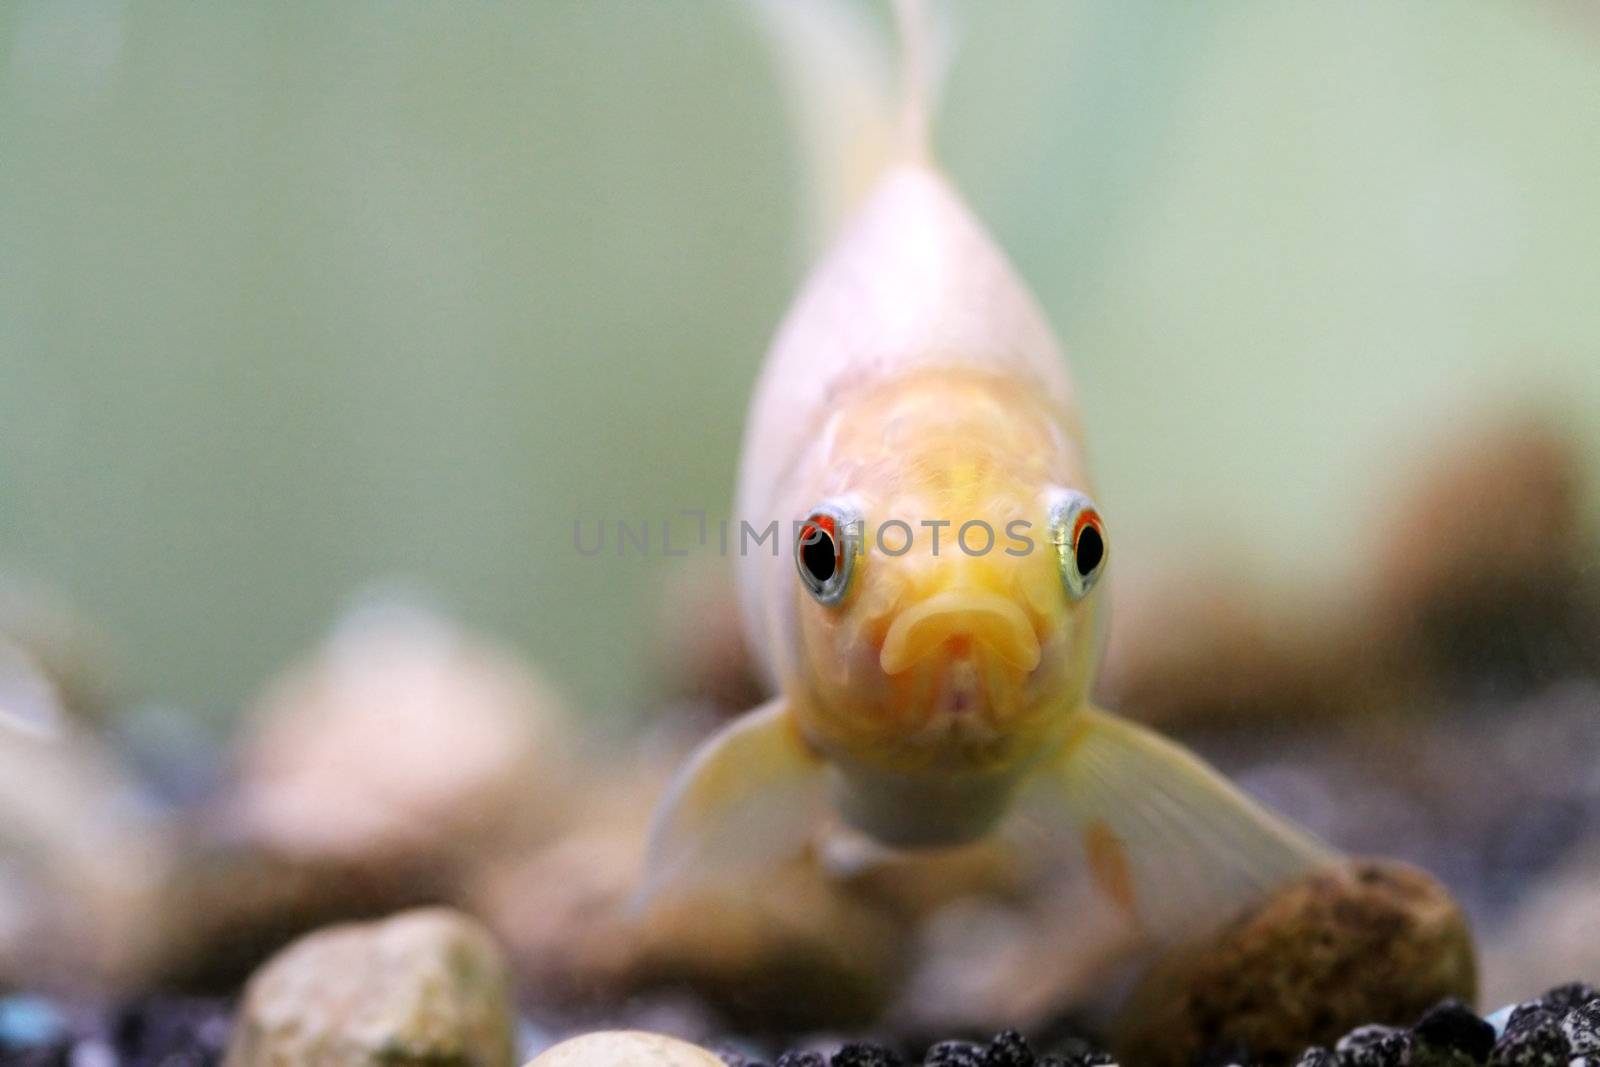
(1532,1039)
(1375,1046)
(1566,997)
(1582,1027)
(169,1032)
(1008,1049)
(802,1059)
(1533,1013)
(865,1054)
(1452,1027)
(954,1054)
(1362,1036)
(1076,1052)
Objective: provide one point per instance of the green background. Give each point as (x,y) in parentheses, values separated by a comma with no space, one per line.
(298,298)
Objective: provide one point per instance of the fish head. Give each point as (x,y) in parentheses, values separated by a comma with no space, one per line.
(948,624)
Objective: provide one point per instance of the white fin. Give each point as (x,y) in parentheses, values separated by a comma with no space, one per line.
(854,116)
(1168,842)
(749,799)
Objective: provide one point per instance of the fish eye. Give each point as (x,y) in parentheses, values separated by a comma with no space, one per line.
(1079,538)
(824,552)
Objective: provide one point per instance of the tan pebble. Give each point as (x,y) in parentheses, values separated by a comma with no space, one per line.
(403,738)
(423,987)
(1367,941)
(625,1048)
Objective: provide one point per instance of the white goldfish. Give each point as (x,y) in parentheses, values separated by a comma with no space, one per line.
(932,636)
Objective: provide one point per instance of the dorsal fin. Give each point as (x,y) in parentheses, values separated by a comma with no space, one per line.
(855,118)
(921,73)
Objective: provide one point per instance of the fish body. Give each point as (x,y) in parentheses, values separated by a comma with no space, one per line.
(928,617)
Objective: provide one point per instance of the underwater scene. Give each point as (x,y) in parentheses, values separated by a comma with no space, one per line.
(799,533)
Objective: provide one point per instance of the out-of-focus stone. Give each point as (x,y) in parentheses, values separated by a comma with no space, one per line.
(559,912)
(80,857)
(1363,942)
(796,949)
(799,947)
(226,906)
(424,988)
(403,738)
(1480,560)
(625,1048)
(1477,562)
(559,906)
(700,649)
(1209,647)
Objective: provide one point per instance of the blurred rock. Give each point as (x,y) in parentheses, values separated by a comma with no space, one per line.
(226,906)
(1364,942)
(81,855)
(797,948)
(403,739)
(423,988)
(1479,565)
(559,913)
(1210,647)
(625,1048)
(699,647)
(1480,568)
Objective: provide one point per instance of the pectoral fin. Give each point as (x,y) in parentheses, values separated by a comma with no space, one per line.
(1167,841)
(751,797)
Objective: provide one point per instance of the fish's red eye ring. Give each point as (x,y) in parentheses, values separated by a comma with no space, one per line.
(1079,538)
(825,551)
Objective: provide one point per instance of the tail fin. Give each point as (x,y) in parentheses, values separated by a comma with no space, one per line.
(855,118)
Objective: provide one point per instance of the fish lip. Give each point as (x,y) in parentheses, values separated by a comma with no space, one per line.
(991,620)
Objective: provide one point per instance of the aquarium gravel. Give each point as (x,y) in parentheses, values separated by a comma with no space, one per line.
(1559,1029)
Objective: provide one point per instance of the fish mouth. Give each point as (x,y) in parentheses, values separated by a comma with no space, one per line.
(960,618)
